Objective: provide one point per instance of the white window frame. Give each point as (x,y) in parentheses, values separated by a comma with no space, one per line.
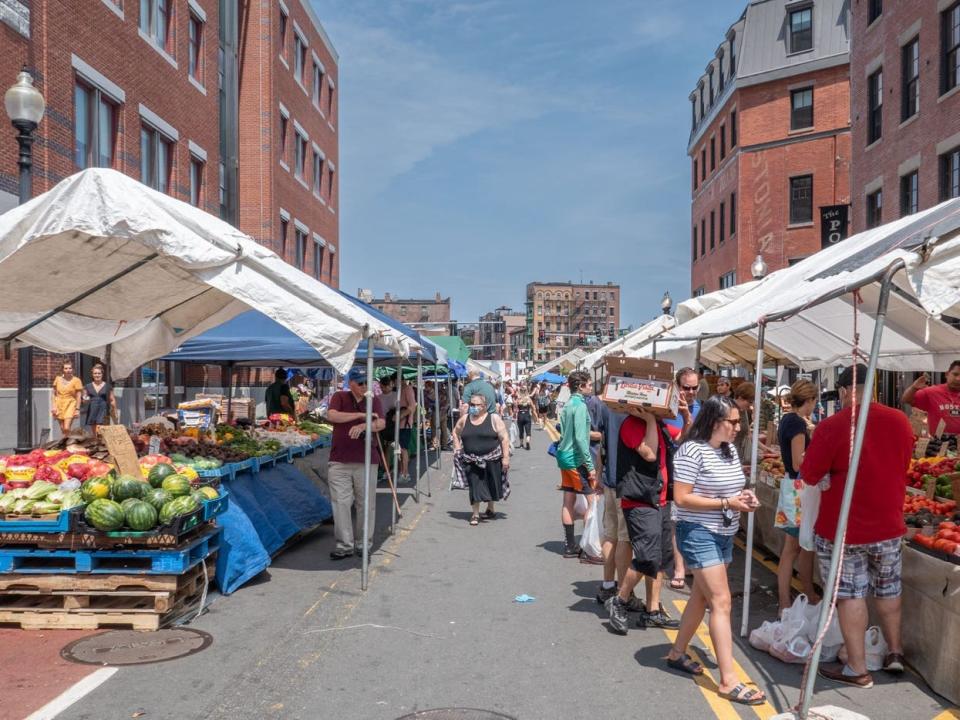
(199,82)
(318,68)
(318,190)
(201,160)
(149,35)
(283,149)
(283,48)
(305,54)
(300,251)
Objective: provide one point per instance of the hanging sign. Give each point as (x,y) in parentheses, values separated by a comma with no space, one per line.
(834,224)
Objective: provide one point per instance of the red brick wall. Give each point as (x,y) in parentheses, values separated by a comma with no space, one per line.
(938,119)
(766,156)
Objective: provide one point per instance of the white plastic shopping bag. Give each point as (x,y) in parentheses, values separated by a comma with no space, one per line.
(876,648)
(590,542)
(794,619)
(796,650)
(763,637)
(514,434)
(809,509)
(581,506)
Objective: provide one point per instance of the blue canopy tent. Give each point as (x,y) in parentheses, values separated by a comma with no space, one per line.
(551,378)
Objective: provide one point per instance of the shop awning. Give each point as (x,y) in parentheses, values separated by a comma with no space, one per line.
(102,260)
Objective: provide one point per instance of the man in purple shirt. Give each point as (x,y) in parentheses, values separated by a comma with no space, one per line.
(348,415)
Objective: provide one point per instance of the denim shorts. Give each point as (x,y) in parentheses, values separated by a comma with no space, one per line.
(702,548)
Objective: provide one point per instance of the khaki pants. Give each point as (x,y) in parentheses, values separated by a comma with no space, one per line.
(346,489)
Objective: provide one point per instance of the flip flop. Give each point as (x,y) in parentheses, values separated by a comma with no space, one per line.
(686,664)
(744,696)
(677,583)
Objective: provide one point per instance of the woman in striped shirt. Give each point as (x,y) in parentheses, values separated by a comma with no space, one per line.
(709,493)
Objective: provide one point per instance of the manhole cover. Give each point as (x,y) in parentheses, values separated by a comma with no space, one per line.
(456,714)
(130,647)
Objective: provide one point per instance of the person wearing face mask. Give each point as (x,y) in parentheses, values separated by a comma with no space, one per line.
(578,474)
(481,456)
(709,493)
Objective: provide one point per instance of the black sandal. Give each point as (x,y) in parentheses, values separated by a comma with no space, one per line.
(686,664)
(474,519)
(490,514)
(744,696)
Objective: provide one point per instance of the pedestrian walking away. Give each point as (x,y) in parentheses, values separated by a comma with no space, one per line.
(348,415)
(578,475)
(481,449)
(526,416)
(872,552)
(709,494)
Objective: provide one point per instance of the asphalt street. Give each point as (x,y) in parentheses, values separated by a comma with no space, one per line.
(438,627)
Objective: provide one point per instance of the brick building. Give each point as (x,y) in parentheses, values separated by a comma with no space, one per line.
(192,104)
(904,81)
(496,327)
(430,316)
(770,141)
(565,315)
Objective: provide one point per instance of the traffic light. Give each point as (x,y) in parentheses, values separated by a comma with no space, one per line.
(542,336)
(581,339)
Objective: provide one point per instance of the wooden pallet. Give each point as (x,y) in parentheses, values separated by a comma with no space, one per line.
(79,602)
(90,541)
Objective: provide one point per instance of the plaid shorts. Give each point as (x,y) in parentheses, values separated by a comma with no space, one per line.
(875,568)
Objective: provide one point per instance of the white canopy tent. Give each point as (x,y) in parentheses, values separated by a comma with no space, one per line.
(102,260)
(697,306)
(567,361)
(631,340)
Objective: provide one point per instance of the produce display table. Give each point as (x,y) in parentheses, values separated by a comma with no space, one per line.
(268,506)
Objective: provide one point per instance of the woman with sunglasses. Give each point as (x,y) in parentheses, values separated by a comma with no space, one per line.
(709,493)
(481,456)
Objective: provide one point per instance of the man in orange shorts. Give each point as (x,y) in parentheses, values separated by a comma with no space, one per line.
(578,474)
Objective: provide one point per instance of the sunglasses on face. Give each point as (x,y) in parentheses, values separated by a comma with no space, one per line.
(690,388)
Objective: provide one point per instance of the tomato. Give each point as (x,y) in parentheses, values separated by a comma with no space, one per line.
(950,547)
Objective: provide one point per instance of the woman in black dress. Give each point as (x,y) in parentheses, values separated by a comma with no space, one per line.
(99,400)
(481,446)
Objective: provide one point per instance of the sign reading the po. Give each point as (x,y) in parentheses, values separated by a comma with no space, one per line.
(833,224)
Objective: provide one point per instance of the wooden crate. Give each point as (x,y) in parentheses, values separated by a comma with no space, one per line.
(90,541)
(89,602)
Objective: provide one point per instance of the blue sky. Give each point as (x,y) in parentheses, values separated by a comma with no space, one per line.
(488,143)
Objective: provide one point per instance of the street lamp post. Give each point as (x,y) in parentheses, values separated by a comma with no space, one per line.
(666,303)
(25,106)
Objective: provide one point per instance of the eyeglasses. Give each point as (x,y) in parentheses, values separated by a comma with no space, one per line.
(690,388)
(735,423)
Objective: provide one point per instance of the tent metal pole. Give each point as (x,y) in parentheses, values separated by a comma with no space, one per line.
(419,424)
(229,390)
(696,364)
(862,414)
(436,414)
(421,416)
(754,456)
(396,441)
(367,463)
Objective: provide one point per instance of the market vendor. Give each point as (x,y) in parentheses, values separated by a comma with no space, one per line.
(940,402)
(278,397)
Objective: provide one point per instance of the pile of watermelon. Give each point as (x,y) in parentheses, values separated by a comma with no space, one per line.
(128,503)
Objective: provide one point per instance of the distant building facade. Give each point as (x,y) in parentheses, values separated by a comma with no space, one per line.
(495,328)
(430,316)
(564,315)
(770,146)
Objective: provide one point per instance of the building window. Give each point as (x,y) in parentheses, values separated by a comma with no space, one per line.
(720,73)
(733,56)
(696,180)
(710,80)
(728,279)
(700,93)
(284,232)
(950,175)
(723,223)
(301,159)
(155,21)
(702,290)
(733,129)
(195,60)
(713,154)
(874,10)
(317,260)
(713,230)
(299,57)
(317,84)
(801,109)
(911,79)
(723,142)
(801,30)
(693,113)
(196,180)
(703,236)
(403,310)
(282,32)
(801,199)
(282,148)
(317,172)
(222,186)
(733,214)
(875,107)
(909,193)
(950,47)
(694,242)
(300,247)
(330,172)
(94,127)
(874,209)
(330,90)
(156,155)
(703,164)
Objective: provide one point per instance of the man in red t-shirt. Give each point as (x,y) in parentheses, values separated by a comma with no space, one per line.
(345,474)
(940,402)
(644,471)
(872,558)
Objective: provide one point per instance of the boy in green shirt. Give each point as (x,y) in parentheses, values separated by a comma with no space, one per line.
(578,476)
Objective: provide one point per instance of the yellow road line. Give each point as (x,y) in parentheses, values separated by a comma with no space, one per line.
(764,711)
(723,709)
(768,564)
(949,714)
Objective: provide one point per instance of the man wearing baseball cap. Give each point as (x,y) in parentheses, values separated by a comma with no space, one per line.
(872,556)
(348,415)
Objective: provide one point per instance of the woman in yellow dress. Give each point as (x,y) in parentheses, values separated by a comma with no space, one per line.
(67,392)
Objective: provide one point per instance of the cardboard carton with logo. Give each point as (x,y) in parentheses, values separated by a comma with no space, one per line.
(642,383)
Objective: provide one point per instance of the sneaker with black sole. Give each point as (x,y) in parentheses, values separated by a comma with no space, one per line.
(617,613)
(341,554)
(604,594)
(659,619)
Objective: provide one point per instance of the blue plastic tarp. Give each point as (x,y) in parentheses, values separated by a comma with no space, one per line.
(551,378)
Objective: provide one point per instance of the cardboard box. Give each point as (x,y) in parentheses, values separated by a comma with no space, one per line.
(648,384)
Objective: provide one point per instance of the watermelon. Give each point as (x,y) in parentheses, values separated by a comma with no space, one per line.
(140,515)
(104,514)
(199,497)
(128,487)
(158,497)
(95,489)
(176,485)
(209,492)
(126,503)
(159,472)
(183,505)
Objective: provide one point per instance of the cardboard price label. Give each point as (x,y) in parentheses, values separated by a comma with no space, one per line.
(118,442)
